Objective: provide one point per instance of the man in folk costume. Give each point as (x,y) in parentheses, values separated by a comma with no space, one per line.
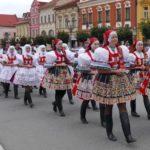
(41,58)
(26,74)
(113,86)
(84,87)
(138,73)
(58,77)
(8,71)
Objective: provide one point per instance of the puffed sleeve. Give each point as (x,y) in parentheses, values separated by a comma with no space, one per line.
(51,57)
(70,55)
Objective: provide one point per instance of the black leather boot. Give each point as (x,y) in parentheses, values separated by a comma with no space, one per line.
(44,93)
(40,90)
(147,105)
(54,106)
(30,99)
(69,93)
(94,106)
(83,112)
(133,108)
(109,127)
(16,92)
(126,127)
(102,115)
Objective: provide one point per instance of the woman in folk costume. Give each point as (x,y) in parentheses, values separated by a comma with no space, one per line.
(58,77)
(138,73)
(9,70)
(26,74)
(41,58)
(85,81)
(113,86)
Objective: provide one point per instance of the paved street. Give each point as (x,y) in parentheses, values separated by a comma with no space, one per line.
(22,128)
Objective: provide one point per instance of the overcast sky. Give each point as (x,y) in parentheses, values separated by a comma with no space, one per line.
(17,7)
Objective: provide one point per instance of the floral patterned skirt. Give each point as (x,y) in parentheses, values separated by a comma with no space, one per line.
(85,86)
(58,78)
(112,89)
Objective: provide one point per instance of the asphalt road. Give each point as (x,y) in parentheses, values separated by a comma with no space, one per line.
(23,128)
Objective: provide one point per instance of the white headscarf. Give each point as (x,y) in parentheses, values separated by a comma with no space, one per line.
(40,52)
(24,50)
(8,51)
(65,46)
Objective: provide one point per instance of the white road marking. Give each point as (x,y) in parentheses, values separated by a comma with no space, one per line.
(1,148)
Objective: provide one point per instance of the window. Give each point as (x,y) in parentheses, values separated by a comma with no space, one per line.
(49,18)
(118,14)
(127,13)
(66,22)
(37,20)
(41,19)
(73,18)
(53,16)
(90,18)
(99,16)
(107,15)
(59,22)
(33,21)
(84,19)
(45,19)
(37,32)
(146,12)
(33,33)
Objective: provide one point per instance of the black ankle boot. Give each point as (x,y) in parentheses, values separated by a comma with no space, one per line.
(40,90)
(133,108)
(54,106)
(109,127)
(126,127)
(84,121)
(102,115)
(71,101)
(147,105)
(44,93)
(62,114)
(83,112)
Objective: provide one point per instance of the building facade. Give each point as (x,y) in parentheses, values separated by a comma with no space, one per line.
(67,17)
(110,13)
(143,14)
(8,26)
(35,17)
(23,26)
(47,19)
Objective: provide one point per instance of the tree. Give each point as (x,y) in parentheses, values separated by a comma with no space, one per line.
(39,40)
(98,32)
(145,29)
(23,41)
(64,36)
(124,34)
(82,36)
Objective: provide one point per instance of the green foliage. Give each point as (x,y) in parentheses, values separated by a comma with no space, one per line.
(98,32)
(64,36)
(125,34)
(145,29)
(82,36)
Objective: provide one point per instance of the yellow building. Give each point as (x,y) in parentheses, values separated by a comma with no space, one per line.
(143,14)
(23,29)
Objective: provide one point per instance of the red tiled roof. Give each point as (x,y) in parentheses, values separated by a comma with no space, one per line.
(8,20)
(42,4)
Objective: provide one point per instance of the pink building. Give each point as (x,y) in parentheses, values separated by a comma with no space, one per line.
(35,17)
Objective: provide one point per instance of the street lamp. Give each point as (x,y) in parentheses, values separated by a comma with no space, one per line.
(134,33)
(71,26)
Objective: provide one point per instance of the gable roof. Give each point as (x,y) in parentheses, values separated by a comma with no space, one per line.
(7,20)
